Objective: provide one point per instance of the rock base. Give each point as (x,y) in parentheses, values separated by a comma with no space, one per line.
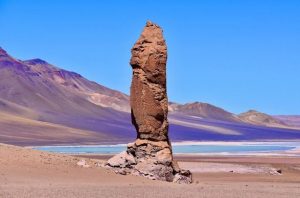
(150,159)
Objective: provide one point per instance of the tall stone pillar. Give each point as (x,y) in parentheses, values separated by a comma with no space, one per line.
(151,154)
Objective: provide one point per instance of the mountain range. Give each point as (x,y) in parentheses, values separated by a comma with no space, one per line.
(41,104)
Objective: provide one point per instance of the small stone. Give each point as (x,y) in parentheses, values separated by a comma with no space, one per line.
(121,172)
(121,160)
(182,179)
(83,164)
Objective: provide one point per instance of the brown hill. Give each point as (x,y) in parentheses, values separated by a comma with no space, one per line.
(258,118)
(203,110)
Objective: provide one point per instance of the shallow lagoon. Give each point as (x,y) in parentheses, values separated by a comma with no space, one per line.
(205,148)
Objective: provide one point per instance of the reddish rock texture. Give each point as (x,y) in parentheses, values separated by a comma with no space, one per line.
(148,97)
(151,154)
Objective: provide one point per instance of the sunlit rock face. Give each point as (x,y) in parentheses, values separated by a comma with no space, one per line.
(148,96)
(151,154)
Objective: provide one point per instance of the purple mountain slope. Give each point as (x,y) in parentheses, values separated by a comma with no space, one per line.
(291,120)
(42,104)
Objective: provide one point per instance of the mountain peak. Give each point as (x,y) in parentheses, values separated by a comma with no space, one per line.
(199,104)
(36,61)
(6,61)
(3,52)
(252,111)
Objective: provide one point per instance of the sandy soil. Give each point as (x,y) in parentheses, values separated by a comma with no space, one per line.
(29,173)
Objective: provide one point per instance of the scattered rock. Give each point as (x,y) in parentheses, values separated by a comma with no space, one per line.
(183,177)
(273,171)
(122,160)
(99,164)
(83,164)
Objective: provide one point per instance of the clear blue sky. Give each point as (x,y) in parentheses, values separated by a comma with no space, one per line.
(238,55)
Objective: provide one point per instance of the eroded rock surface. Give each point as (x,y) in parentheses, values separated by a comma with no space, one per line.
(151,154)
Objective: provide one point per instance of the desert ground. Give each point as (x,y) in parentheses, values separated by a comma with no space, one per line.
(30,173)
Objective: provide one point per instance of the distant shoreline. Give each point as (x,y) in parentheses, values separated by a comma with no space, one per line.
(176,143)
(284,148)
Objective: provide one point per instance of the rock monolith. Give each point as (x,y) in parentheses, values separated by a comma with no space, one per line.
(151,153)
